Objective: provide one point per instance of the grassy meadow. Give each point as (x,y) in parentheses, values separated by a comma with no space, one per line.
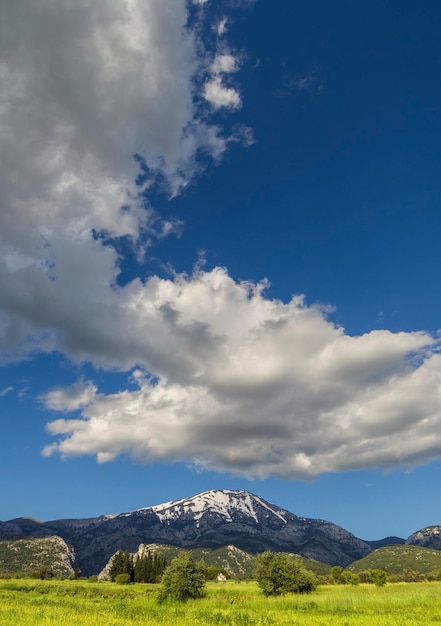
(80,603)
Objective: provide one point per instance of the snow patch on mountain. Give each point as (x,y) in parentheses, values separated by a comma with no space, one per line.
(224,503)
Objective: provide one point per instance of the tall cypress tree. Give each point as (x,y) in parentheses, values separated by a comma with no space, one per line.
(117,566)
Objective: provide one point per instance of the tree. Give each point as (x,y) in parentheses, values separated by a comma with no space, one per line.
(212,572)
(365,577)
(183,579)
(148,568)
(336,574)
(278,573)
(117,566)
(349,578)
(378,577)
(122,563)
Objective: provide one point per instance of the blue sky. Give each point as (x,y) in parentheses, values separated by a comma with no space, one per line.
(219,257)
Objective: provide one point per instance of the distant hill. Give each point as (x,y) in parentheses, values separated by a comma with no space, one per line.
(429,537)
(394,559)
(27,555)
(238,563)
(387,541)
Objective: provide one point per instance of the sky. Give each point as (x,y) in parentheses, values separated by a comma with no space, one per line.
(219,257)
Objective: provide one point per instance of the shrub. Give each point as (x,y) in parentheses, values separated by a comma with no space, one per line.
(123,579)
(378,577)
(365,577)
(212,572)
(349,578)
(336,574)
(278,573)
(45,573)
(411,576)
(183,579)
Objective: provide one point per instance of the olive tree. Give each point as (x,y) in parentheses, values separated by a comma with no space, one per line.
(278,573)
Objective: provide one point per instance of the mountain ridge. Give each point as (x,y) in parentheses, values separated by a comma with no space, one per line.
(211,519)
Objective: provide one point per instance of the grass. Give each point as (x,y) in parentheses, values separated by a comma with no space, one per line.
(65,603)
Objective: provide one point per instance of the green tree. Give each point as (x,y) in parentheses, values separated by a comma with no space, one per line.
(77,573)
(349,578)
(212,572)
(148,568)
(365,577)
(337,574)
(183,579)
(117,566)
(122,563)
(278,573)
(378,577)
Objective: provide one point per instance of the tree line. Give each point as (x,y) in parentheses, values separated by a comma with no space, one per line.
(146,568)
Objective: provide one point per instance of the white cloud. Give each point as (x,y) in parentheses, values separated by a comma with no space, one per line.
(5,391)
(221,27)
(77,396)
(246,384)
(259,387)
(225,63)
(215,91)
(84,87)
(220,96)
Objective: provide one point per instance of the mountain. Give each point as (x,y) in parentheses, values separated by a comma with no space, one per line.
(27,555)
(212,519)
(429,537)
(394,559)
(387,541)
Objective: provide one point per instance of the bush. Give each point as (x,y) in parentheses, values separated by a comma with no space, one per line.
(278,573)
(45,573)
(378,577)
(336,575)
(183,579)
(364,577)
(349,578)
(212,572)
(123,579)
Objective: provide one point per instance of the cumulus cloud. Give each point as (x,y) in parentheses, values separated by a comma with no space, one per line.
(221,96)
(72,398)
(216,91)
(89,90)
(226,378)
(259,387)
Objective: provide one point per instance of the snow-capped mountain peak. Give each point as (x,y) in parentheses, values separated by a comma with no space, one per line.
(223,502)
(212,519)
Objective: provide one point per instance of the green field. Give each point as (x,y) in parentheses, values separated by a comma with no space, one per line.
(80,603)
